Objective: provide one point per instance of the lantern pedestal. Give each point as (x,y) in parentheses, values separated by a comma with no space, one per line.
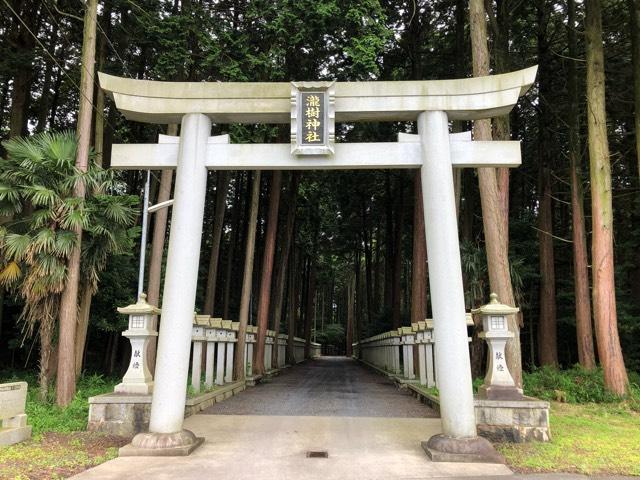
(138,379)
(498,382)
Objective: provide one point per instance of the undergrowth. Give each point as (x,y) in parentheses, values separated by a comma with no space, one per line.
(577,385)
(46,416)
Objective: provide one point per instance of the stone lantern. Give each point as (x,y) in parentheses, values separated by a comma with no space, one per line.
(141,329)
(498,383)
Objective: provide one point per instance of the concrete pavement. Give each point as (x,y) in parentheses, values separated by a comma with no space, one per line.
(368,428)
(329,386)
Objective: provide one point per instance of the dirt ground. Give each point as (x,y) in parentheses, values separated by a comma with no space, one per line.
(57,455)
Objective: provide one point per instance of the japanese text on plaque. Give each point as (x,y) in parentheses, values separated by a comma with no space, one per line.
(312,118)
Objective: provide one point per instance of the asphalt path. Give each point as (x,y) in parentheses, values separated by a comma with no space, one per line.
(328,386)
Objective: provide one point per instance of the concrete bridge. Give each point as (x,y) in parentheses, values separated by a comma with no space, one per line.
(329,418)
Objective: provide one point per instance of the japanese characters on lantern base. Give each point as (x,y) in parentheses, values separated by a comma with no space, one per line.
(142,328)
(498,382)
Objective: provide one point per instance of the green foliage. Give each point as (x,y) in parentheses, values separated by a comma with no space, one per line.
(591,439)
(333,334)
(39,180)
(46,416)
(577,384)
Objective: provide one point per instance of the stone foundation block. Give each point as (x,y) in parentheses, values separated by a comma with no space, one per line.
(515,421)
(9,436)
(128,414)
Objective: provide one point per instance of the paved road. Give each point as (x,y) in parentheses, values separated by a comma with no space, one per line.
(329,386)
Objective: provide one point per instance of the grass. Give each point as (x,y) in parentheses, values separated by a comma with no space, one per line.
(60,446)
(588,439)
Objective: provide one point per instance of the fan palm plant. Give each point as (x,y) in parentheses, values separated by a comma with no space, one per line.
(38,215)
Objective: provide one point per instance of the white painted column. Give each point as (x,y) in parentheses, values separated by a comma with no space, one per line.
(208,369)
(453,367)
(220,363)
(422,367)
(431,382)
(228,372)
(178,301)
(196,366)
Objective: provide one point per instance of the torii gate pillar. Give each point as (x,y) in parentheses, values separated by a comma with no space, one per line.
(459,440)
(166,435)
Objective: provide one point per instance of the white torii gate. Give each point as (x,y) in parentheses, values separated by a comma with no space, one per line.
(433,150)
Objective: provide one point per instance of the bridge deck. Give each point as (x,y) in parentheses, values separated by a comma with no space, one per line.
(368,428)
(328,386)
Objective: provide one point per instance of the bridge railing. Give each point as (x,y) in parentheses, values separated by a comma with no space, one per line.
(213,349)
(406,353)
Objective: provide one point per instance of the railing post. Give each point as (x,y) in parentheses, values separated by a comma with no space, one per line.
(231,339)
(221,337)
(210,334)
(198,339)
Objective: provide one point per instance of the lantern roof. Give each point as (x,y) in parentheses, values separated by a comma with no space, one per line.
(141,307)
(494,307)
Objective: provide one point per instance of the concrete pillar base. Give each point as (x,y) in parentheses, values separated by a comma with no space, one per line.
(150,444)
(440,448)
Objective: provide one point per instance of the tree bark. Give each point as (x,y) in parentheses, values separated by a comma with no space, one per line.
(496,238)
(267,270)
(218,224)
(100,99)
(350,314)
(584,330)
(604,300)
(310,303)
(247,278)
(634,21)
(83,326)
(235,235)
(157,251)
(547,327)
(285,253)
(419,273)
(396,290)
(46,350)
(66,384)
(293,296)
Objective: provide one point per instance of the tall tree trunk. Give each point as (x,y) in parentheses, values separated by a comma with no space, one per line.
(496,238)
(83,326)
(396,290)
(45,97)
(267,270)
(286,249)
(368,268)
(547,327)
(46,350)
(388,240)
(247,278)
(584,330)
(100,98)
(66,384)
(218,224)
(634,21)
(293,296)
(310,304)
(351,297)
(157,251)
(604,300)
(235,235)
(419,273)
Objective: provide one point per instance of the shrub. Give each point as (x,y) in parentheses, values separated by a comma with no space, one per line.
(577,384)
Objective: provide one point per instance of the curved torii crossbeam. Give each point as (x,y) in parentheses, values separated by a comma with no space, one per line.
(432,103)
(248,102)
